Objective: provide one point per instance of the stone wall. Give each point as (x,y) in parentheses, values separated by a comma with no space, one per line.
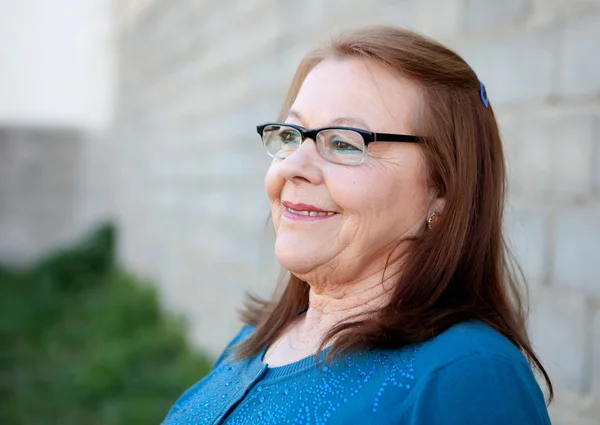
(195,77)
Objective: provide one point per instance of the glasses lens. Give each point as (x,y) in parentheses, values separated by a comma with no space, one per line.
(341,146)
(280,140)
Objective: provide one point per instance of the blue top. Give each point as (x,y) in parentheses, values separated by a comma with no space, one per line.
(469,374)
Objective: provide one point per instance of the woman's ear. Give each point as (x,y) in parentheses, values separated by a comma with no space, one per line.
(437,206)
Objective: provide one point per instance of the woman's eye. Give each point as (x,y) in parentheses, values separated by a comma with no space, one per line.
(341,145)
(287,136)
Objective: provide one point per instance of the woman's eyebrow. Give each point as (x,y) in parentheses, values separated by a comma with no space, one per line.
(350,122)
(296,115)
(343,121)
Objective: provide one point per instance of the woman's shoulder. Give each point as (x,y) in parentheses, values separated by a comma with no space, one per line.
(240,337)
(467,340)
(474,372)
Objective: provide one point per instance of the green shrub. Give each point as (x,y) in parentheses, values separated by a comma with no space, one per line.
(84,342)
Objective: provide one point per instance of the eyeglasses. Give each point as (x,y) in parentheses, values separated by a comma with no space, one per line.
(341,145)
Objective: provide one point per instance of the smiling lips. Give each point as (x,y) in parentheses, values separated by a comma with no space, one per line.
(304,212)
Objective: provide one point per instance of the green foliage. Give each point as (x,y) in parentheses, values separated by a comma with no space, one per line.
(83,342)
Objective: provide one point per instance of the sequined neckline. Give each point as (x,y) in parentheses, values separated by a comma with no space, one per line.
(294,367)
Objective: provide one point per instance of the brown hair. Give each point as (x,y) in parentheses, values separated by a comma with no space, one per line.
(459,270)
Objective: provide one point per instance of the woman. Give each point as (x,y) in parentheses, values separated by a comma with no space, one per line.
(386,189)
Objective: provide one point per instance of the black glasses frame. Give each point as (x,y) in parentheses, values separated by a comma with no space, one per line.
(368,136)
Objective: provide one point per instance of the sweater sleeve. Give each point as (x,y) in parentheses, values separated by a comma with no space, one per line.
(478,389)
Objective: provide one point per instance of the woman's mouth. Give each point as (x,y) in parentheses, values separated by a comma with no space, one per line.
(305,212)
(310,213)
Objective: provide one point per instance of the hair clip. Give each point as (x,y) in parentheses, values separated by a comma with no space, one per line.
(483,95)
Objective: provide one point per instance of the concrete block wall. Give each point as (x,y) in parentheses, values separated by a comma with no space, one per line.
(54,186)
(195,77)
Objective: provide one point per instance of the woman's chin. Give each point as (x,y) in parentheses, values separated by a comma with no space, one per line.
(297,261)
(297,266)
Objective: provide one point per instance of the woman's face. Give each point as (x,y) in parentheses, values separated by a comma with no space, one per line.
(376,204)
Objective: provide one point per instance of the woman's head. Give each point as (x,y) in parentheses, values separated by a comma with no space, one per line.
(399,82)
(373,206)
(389,80)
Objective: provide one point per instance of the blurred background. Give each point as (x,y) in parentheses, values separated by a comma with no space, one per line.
(131,184)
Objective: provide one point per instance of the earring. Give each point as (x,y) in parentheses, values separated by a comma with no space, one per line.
(431,219)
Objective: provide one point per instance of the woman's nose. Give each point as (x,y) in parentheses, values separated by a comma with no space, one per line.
(303,165)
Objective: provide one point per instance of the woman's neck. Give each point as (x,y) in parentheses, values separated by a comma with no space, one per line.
(329,307)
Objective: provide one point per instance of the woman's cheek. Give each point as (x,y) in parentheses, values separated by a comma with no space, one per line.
(273,184)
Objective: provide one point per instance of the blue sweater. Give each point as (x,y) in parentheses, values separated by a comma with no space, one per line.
(469,374)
